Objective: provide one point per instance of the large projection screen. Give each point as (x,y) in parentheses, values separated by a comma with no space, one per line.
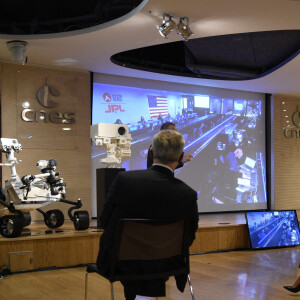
(224,131)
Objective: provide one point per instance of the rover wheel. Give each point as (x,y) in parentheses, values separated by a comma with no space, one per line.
(11,226)
(54,218)
(26,219)
(81,220)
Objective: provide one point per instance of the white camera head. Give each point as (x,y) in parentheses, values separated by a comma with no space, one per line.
(113,131)
(47,164)
(6,145)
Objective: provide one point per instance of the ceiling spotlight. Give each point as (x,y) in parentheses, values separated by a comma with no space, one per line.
(17,50)
(167,26)
(183,29)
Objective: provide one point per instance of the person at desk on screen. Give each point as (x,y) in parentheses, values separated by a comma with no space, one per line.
(149,194)
(231,160)
(186,157)
(231,174)
(232,164)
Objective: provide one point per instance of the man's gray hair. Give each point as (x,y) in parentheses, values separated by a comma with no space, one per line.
(167,146)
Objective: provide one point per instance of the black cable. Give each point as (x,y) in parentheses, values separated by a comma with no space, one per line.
(220,251)
(48,269)
(4,271)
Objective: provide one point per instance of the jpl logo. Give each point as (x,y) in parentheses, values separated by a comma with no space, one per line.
(114,108)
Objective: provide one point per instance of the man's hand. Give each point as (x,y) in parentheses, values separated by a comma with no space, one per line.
(186,158)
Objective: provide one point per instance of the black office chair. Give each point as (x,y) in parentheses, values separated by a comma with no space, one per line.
(140,239)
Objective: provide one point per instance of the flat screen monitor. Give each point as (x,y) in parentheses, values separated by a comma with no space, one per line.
(201,101)
(271,229)
(238,106)
(250,162)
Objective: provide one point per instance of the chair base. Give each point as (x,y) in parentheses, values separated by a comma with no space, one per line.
(89,270)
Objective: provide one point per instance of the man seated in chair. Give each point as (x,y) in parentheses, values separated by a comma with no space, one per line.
(149,194)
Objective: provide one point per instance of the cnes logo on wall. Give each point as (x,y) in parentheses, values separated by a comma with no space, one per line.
(45,93)
(47,96)
(296,117)
(294,131)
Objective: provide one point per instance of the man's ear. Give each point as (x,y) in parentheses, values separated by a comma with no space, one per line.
(181,157)
(151,152)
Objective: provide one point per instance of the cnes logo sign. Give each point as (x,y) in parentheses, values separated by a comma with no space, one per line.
(296,117)
(293,131)
(47,96)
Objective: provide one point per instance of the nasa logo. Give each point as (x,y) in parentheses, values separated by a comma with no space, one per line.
(107,97)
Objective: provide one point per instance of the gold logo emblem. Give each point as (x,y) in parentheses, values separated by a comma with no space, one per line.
(296,117)
(45,93)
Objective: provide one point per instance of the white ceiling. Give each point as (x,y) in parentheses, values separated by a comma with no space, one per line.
(91,49)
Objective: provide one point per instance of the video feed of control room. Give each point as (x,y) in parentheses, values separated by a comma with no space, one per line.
(273,229)
(225,136)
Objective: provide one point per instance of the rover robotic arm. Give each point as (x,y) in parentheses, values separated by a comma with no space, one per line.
(45,186)
(115,138)
(41,187)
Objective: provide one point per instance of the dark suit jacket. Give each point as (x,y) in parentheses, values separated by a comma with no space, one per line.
(151,194)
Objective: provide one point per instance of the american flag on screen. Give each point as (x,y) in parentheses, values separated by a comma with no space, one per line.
(158,105)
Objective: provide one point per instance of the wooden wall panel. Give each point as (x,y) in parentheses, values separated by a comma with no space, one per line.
(50,252)
(70,247)
(45,140)
(66,252)
(217,238)
(286,155)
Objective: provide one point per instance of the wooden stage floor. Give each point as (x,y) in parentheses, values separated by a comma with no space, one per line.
(233,275)
(41,247)
(223,267)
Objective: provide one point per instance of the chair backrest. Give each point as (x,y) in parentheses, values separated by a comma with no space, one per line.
(150,241)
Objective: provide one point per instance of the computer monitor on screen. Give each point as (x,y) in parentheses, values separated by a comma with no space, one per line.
(250,162)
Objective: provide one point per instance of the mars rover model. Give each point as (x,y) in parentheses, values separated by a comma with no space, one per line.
(33,192)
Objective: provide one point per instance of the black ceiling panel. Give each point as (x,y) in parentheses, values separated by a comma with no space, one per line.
(43,17)
(241,56)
